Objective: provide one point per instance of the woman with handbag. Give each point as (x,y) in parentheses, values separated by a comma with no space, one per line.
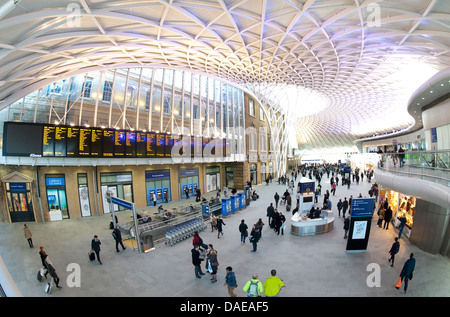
(212,258)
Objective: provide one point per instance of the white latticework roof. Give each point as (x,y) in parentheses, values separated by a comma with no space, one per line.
(357,61)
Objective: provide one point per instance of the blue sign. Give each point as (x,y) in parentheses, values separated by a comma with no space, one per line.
(55,181)
(307,187)
(155,175)
(122,203)
(188,172)
(362,207)
(17,187)
(433,135)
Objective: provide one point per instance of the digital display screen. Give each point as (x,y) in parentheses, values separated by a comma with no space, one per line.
(108,143)
(151,144)
(130,144)
(60,141)
(96,142)
(119,143)
(141,143)
(160,142)
(48,141)
(168,144)
(22,139)
(28,139)
(72,141)
(84,144)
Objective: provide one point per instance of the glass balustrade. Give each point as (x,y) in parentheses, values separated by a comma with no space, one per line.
(427,165)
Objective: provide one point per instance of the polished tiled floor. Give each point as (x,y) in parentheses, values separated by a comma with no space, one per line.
(316,266)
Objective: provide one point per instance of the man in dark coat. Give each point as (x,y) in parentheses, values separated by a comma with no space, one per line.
(407,271)
(277,198)
(95,246)
(270,212)
(118,237)
(387,218)
(196,261)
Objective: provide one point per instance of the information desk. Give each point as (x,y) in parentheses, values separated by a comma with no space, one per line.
(310,227)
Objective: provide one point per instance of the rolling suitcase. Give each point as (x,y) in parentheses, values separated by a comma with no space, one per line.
(91,256)
(48,287)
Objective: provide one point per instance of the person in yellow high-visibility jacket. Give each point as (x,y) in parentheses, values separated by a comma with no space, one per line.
(273,285)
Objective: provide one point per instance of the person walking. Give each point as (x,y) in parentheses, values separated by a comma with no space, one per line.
(277,199)
(282,225)
(198,240)
(230,281)
(253,287)
(51,270)
(259,226)
(401,226)
(254,238)
(95,246)
(243,230)
(346,226)
(339,207)
(28,235)
(393,251)
(270,212)
(407,271)
(196,261)
(43,256)
(118,237)
(344,207)
(273,285)
(387,218)
(219,225)
(212,258)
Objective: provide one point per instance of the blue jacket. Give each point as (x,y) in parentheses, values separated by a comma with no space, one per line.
(230,279)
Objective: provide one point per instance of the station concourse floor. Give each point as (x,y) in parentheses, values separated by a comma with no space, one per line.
(311,266)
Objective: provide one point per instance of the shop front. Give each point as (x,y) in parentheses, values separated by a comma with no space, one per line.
(253,174)
(55,188)
(401,205)
(212,178)
(18,197)
(189,181)
(157,187)
(120,185)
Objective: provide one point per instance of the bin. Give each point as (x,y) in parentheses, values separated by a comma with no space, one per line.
(241,198)
(226,206)
(233,200)
(147,241)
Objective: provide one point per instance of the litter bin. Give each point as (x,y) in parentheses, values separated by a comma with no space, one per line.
(147,241)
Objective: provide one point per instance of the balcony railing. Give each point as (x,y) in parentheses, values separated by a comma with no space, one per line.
(427,165)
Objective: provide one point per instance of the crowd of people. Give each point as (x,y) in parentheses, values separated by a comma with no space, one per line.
(276,221)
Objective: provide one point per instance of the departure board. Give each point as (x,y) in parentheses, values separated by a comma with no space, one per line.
(84,144)
(151,144)
(130,144)
(72,141)
(48,141)
(168,144)
(141,144)
(108,143)
(51,140)
(160,142)
(119,143)
(60,140)
(96,143)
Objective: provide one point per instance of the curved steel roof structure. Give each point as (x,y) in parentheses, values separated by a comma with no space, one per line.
(343,69)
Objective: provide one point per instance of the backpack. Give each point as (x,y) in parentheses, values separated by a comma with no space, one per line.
(253,289)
